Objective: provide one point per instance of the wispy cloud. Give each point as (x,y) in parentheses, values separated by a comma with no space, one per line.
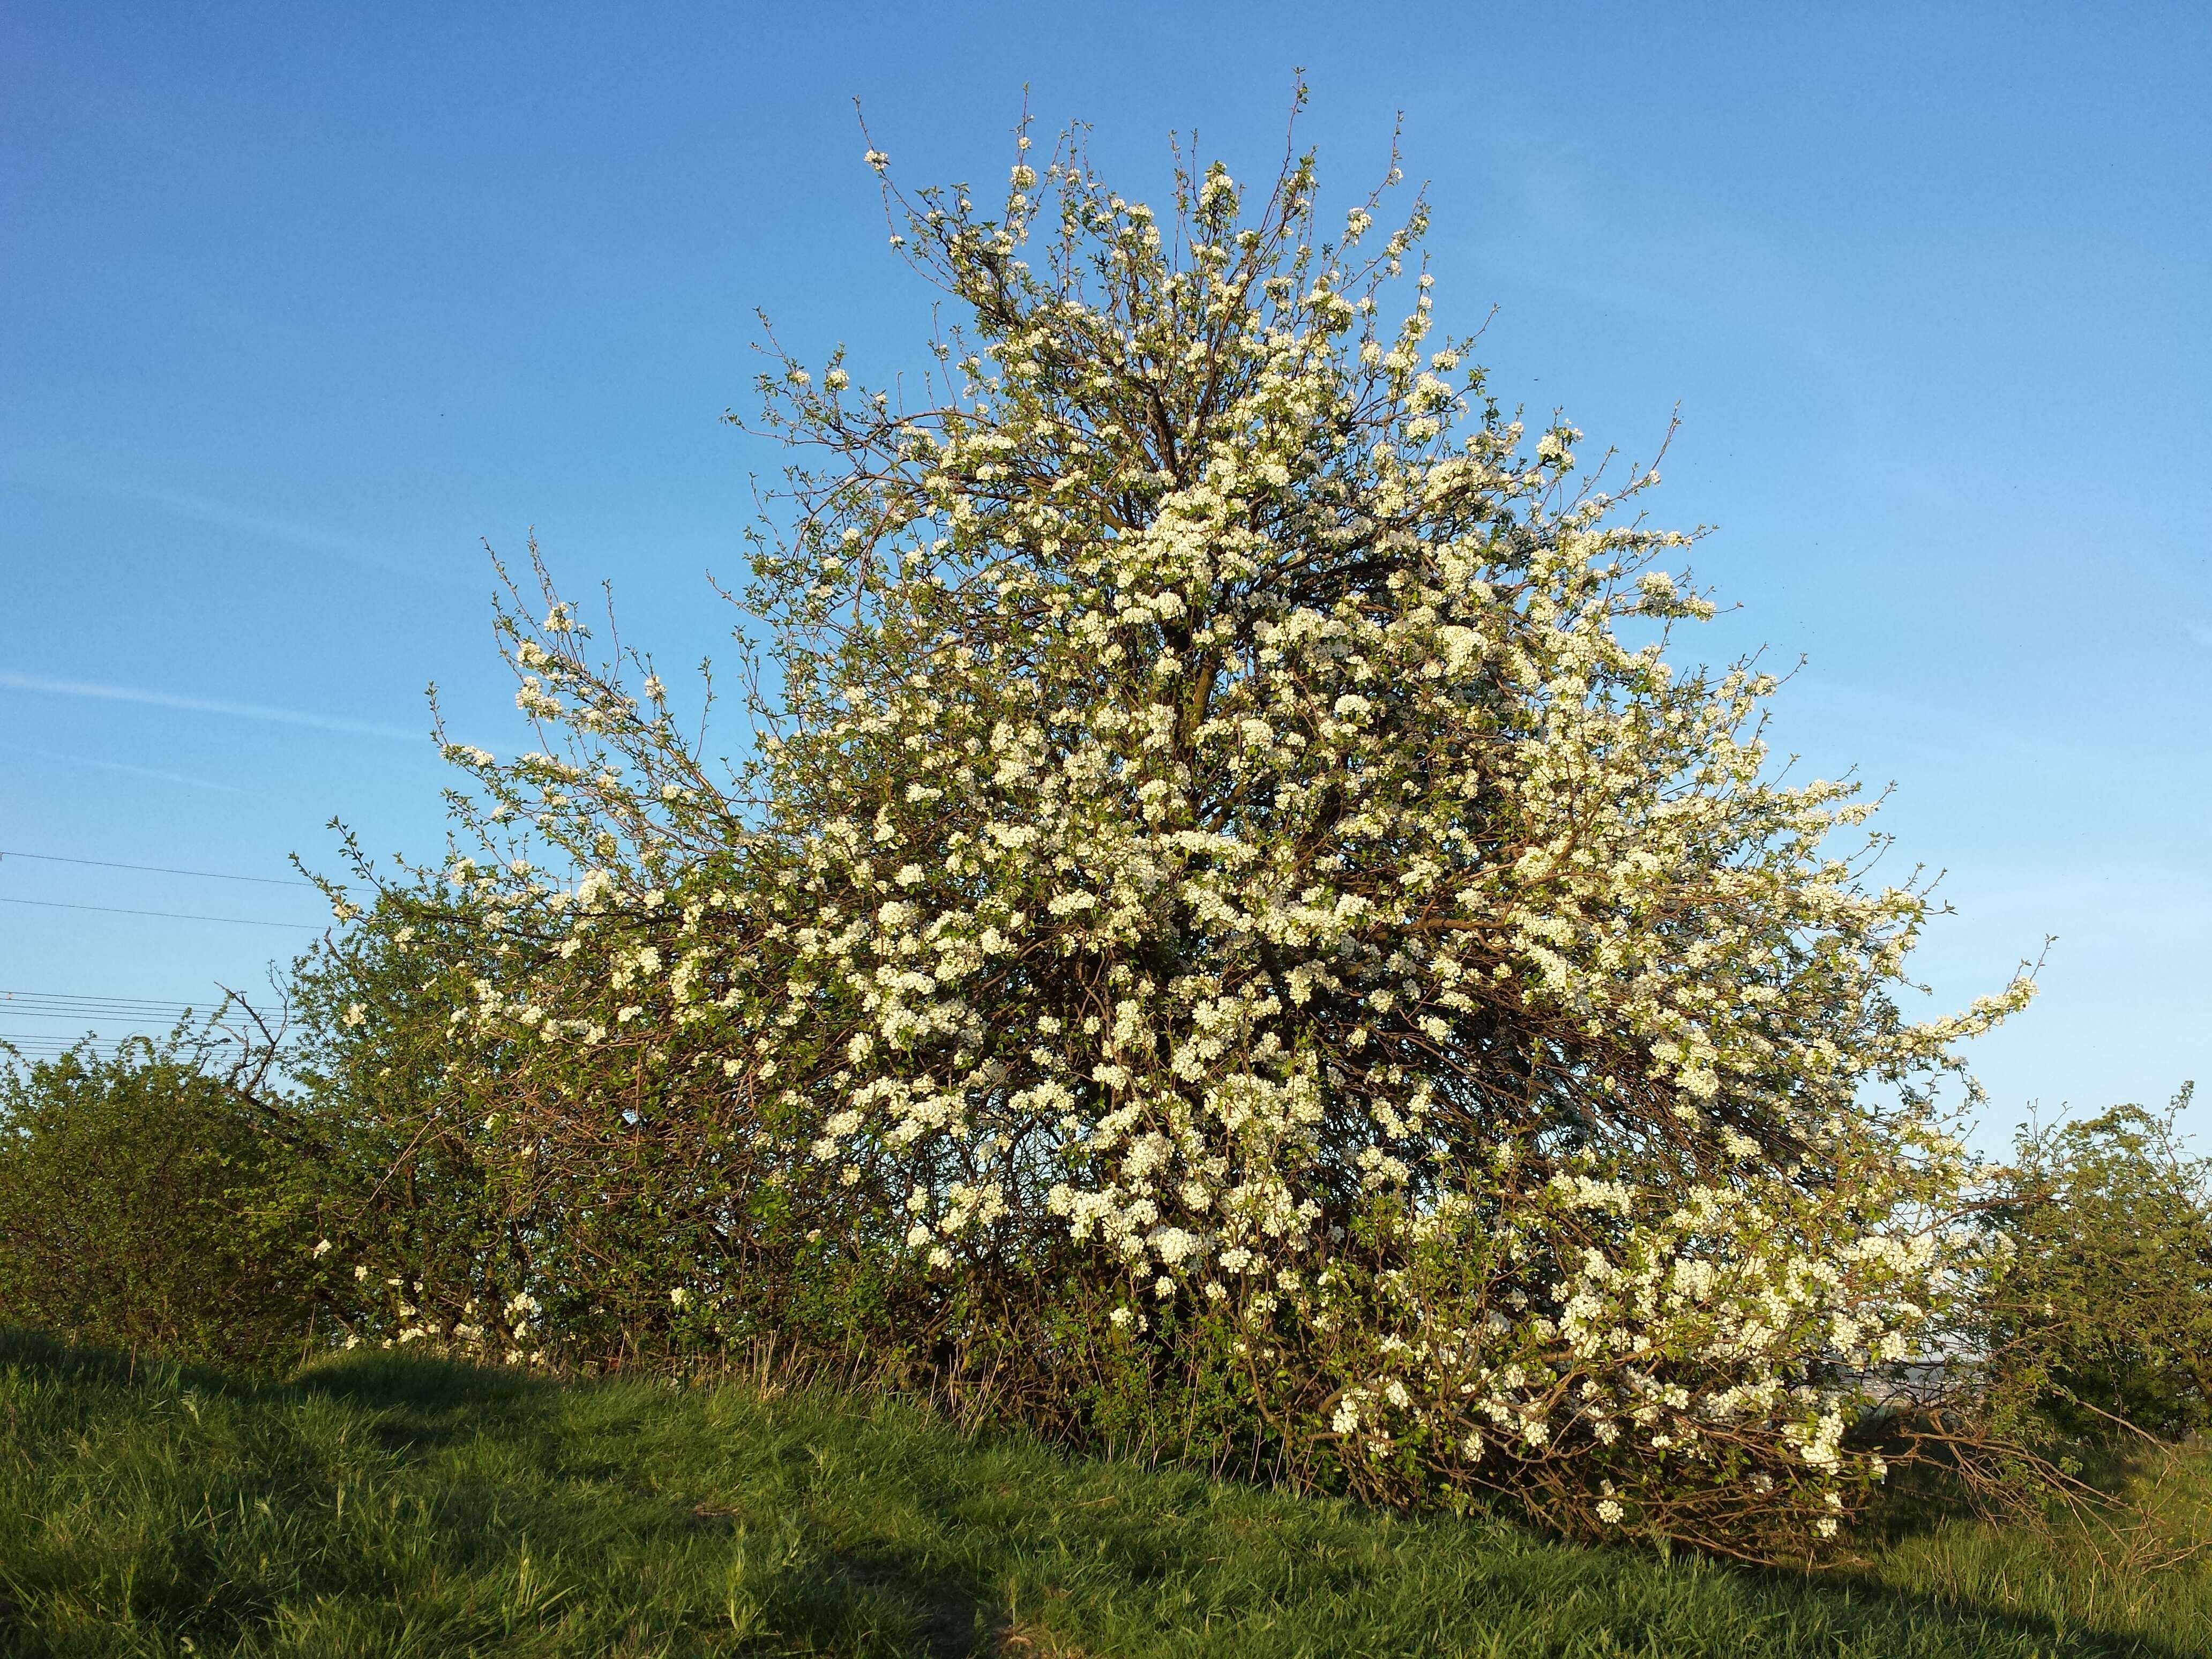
(44,686)
(126,768)
(70,477)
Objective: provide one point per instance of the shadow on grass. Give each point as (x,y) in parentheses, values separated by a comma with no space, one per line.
(428,1387)
(953,1614)
(431,1400)
(47,1357)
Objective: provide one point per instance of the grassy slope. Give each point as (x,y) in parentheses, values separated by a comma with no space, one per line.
(390,1506)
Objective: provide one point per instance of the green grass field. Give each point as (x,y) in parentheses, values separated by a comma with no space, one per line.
(397,1506)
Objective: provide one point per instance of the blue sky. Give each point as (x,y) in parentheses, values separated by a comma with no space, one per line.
(301,304)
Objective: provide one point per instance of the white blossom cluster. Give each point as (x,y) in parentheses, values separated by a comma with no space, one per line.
(509,1334)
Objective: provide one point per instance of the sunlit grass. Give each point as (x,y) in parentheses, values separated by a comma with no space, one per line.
(398,1506)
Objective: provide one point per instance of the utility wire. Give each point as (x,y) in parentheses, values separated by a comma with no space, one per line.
(90,1013)
(67,1003)
(174,915)
(156,869)
(108,1012)
(58,999)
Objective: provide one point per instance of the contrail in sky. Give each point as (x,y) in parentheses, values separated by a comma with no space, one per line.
(40,683)
(128,770)
(51,472)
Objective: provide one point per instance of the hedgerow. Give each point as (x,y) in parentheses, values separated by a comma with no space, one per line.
(145,1202)
(2102,1320)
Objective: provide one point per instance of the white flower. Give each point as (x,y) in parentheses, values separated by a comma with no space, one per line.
(1174,1244)
(322,1249)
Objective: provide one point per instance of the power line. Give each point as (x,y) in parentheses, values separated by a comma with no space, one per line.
(89,996)
(174,915)
(156,869)
(89,1013)
(108,1011)
(109,1016)
(67,1003)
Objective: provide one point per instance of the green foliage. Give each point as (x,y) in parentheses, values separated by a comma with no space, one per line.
(142,1204)
(518,1224)
(220,1196)
(2106,1311)
(387,1505)
(396,1184)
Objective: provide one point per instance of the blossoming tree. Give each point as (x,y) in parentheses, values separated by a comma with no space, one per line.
(1237,907)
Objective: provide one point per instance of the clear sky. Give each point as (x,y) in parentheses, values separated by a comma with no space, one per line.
(298,304)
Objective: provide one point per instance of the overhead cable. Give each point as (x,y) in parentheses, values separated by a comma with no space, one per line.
(156,869)
(174,915)
(67,1003)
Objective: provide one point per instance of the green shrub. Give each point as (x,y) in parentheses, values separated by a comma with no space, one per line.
(404,1197)
(2106,1311)
(476,1228)
(140,1207)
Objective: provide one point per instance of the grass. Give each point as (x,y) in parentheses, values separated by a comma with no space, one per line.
(395,1506)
